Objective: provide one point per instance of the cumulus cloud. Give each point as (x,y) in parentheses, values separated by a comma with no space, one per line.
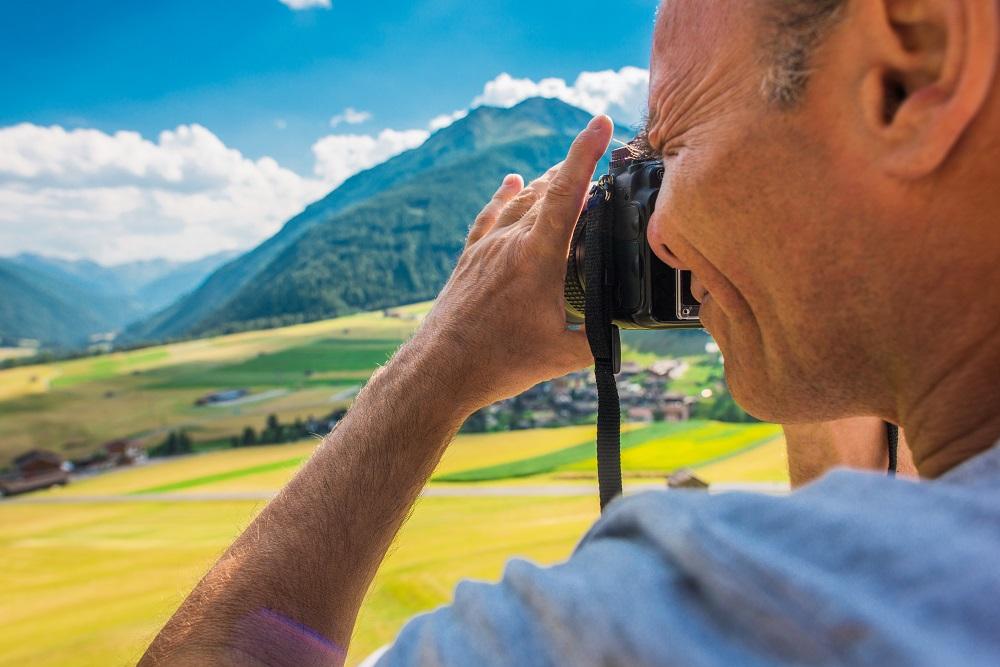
(339,156)
(351,116)
(116,197)
(621,94)
(446,119)
(305,4)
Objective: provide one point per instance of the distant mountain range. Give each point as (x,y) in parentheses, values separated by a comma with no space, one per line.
(62,303)
(385,237)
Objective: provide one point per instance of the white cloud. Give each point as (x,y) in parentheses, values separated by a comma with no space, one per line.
(84,193)
(621,94)
(351,116)
(446,119)
(280,123)
(305,4)
(118,197)
(339,156)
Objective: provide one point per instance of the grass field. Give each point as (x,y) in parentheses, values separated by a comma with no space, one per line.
(91,584)
(89,581)
(75,406)
(693,445)
(702,372)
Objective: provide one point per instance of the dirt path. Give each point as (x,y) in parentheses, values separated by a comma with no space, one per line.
(437,491)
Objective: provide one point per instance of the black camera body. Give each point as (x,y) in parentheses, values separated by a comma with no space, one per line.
(644,293)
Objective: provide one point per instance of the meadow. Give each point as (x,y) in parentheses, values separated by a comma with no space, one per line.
(88,581)
(93,570)
(74,406)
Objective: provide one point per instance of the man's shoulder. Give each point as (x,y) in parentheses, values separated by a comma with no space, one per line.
(856,568)
(844,513)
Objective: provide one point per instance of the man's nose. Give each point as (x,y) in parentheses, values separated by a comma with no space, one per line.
(654,234)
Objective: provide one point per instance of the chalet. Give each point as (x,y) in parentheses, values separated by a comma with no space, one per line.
(222,397)
(675,408)
(124,452)
(664,367)
(644,415)
(685,479)
(37,469)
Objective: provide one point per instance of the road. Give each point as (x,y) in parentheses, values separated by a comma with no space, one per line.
(436,491)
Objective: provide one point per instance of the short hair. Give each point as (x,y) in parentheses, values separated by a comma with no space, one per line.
(794,29)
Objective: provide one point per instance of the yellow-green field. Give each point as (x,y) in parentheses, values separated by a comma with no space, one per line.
(90,584)
(75,406)
(16,352)
(92,570)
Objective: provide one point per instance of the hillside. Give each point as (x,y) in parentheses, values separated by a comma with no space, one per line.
(387,236)
(397,248)
(37,306)
(62,302)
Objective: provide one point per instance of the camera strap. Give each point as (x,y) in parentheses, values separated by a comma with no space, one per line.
(892,433)
(605,342)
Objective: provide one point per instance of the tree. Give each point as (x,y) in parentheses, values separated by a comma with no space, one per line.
(722,408)
(175,444)
(272,423)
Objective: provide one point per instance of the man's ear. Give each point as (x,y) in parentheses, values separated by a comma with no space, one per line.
(930,73)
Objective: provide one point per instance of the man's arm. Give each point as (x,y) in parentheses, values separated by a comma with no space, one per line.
(288,590)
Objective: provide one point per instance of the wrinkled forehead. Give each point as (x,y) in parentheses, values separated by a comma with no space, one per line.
(696,41)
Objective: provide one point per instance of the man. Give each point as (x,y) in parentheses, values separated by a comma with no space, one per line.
(831,182)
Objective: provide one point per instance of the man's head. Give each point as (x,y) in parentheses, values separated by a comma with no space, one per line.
(831,183)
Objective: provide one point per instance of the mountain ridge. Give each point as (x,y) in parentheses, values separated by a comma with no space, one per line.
(62,303)
(224,302)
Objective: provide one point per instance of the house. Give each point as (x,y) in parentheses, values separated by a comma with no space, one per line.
(686,479)
(38,462)
(124,452)
(675,408)
(222,397)
(664,367)
(644,415)
(37,469)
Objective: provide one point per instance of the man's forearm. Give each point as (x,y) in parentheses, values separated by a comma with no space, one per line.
(288,591)
(311,554)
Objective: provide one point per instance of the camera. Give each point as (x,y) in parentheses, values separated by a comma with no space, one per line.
(641,291)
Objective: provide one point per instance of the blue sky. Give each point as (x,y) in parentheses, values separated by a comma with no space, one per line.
(251,87)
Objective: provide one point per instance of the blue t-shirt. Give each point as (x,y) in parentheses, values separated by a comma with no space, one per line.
(856,568)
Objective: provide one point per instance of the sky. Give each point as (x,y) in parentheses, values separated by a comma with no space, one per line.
(133,130)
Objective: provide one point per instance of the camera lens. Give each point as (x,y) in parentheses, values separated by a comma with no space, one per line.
(575,290)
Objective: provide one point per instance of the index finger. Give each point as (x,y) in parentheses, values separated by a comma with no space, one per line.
(568,190)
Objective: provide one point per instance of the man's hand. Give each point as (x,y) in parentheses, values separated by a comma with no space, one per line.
(499,326)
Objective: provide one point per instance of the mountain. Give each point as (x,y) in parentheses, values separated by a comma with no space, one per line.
(63,302)
(37,306)
(386,236)
(179,280)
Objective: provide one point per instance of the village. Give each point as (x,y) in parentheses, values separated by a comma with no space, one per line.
(566,401)
(571,400)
